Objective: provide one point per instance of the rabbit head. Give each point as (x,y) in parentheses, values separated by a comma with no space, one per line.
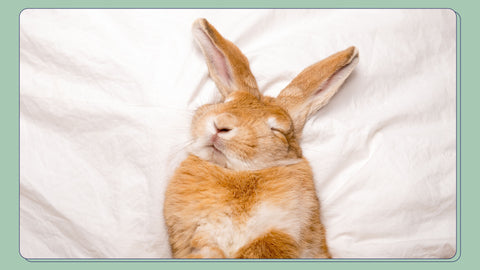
(249,131)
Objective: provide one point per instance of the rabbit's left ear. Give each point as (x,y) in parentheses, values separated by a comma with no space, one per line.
(314,86)
(227,65)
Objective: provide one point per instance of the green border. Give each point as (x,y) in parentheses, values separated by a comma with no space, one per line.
(467,130)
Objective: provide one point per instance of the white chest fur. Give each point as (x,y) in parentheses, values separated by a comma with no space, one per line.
(231,234)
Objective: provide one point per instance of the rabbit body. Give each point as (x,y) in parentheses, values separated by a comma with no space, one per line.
(245,190)
(221,213)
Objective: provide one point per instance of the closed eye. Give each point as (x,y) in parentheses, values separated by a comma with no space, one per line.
(277,131)
(276,127)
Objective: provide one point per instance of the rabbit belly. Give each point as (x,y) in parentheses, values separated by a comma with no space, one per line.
(231,234)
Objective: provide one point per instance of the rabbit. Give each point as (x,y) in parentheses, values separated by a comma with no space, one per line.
(245,190)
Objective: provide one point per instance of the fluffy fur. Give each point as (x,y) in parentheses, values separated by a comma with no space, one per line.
(245,190)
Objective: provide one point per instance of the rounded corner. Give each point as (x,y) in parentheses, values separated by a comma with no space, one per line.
(456,256)
(22,11)
(22,256)
(457,15)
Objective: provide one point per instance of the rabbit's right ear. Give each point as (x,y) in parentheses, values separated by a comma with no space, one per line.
(227,65)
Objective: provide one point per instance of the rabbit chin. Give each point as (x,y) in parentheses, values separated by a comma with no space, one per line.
(215,156)
(211,154)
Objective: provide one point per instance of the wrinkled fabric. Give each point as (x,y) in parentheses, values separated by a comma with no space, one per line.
(106,98)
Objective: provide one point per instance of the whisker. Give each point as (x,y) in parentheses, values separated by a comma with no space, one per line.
(178,153)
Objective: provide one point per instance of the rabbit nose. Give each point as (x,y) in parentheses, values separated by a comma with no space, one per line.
(224,123)
(222,129)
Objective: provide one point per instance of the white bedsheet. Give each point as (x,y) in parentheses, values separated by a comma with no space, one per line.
(106,97)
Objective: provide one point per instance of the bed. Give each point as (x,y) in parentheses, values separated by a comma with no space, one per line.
(106,98)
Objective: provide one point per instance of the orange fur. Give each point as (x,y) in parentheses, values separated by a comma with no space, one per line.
(245,190)
(272,245)
(202,190)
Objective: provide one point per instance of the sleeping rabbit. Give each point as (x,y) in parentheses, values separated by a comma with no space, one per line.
(245,190)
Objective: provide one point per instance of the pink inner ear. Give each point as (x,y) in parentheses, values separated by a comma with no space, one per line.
(219,62)
(217,59)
